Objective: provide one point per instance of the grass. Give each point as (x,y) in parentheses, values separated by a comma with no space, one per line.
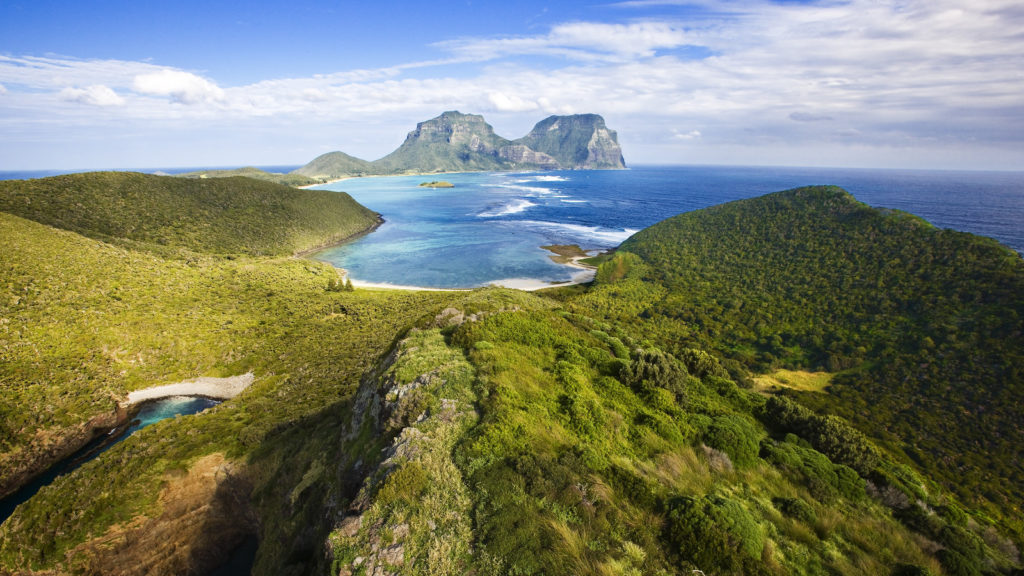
(537,435)
(213,216)
(801,380)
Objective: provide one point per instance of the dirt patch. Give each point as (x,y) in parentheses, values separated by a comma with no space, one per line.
(205,514)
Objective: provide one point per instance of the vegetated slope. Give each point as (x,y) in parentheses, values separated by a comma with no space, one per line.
(923,326)
(84,322)
(290,179)
(216,215)
(333,165)
(488,432)
(555,444)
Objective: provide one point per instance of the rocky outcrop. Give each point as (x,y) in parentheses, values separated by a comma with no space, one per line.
(398,519)
(580,141)
(522,155)
(452,142)
(52,445)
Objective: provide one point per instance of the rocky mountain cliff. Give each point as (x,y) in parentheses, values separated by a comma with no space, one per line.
(457,142)
(579,141)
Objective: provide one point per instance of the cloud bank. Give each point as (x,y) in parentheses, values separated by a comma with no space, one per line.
(833,82)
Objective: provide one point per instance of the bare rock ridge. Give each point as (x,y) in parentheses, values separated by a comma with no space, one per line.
(457,142)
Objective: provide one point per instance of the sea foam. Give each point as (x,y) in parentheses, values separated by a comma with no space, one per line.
(514,207)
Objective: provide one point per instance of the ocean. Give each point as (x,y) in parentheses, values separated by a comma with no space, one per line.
(490,227)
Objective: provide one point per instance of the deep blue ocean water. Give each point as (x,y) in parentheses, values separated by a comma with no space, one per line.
(490,227)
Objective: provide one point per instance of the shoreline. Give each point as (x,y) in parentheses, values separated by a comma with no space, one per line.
(584,274)
(309,252)
(572,258)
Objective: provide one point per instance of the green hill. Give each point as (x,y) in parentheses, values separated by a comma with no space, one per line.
(583,431)
(335,165)
(921,326)
(216,215)
(290,179)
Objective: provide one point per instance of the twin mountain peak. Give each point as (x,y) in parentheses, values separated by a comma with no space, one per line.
(456,142)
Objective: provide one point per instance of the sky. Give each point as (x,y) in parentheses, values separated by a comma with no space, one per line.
(106,84)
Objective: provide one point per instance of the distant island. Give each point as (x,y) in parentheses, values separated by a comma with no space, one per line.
(437,184)
(457,142)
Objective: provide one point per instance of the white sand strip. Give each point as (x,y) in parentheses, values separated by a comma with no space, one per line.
(531,284)
(387,286)
(221,388)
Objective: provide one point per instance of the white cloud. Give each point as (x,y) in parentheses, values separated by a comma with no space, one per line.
(183,87)
(95,95)
(889,74)
(691,135)
(504,103)
(2,89)
(587,41)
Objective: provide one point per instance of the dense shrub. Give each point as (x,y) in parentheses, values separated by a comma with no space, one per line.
(795,508)
(714,533)
(825,480)
(736,436)
(829,435)
(654,368)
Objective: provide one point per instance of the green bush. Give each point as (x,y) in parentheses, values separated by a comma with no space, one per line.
(715,534)
(735,435)
(796,509)
(656,369)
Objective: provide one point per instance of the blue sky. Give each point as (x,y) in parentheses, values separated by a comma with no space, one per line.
(873,83)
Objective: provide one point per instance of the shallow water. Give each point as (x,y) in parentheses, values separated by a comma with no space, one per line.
(490,226)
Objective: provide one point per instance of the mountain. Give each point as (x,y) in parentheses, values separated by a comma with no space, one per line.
(457,142)
(333,164)
(452,142)
(214,215)
(581,141)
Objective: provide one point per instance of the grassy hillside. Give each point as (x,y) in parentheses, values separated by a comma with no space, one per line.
(290,179)
(496,431)
(217,215)
(335,165)
(922,327)
(85,322)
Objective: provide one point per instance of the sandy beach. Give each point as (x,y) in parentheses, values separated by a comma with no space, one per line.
(583,275)
(220,388)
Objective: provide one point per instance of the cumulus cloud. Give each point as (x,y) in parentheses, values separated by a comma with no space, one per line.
(2,89)
(586,41)
(504,103)
(691,135)
(886,73)
(183,87)
(95,95)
